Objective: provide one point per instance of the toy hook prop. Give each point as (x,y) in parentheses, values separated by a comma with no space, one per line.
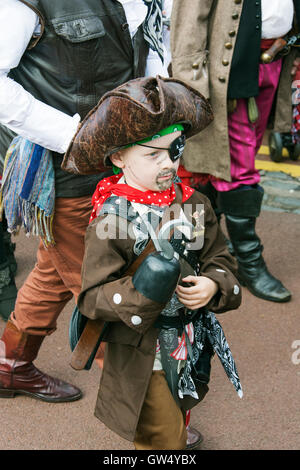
(161,241)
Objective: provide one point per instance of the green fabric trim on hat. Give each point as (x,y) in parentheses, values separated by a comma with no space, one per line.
(166,131)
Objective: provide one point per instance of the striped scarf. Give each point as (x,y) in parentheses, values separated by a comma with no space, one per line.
(28,189)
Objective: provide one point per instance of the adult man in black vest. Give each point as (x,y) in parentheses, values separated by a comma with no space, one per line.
(217,49)
(56,60)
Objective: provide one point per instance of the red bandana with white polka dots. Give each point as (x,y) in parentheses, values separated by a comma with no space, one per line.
(108,186)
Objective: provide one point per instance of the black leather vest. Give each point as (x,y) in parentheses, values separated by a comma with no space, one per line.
(84,51)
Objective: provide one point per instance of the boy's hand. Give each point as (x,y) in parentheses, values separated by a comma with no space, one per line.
(295,66)
(200,292)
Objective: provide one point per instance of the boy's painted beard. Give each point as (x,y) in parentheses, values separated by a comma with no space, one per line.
(164,183)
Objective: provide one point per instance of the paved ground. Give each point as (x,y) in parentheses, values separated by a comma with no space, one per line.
(264,338)
(281,181)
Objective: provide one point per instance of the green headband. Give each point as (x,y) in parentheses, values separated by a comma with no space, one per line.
(166,131)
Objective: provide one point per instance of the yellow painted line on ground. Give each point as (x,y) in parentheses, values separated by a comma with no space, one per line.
(293,170)
(264,150)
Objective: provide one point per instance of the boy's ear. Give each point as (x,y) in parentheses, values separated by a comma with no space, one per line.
(117,159)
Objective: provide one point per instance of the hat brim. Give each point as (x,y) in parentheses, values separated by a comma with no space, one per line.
(133,112)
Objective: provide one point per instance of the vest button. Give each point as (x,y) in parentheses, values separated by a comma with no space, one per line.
(228,45)
(235,16)
(125,26)
(225,62)
(232,33)
(237,1)
(195,66)
(222,79)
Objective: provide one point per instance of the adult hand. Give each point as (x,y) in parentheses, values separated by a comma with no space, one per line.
(199,294)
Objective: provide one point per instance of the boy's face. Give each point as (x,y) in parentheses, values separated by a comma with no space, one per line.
(147,168)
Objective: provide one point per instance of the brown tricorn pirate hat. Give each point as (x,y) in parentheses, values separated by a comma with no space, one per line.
(131,112)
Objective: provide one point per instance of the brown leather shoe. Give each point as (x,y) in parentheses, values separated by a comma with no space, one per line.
(194,438)
(19,376)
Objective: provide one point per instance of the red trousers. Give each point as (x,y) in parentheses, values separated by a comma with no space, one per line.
(56,276)
(245,138)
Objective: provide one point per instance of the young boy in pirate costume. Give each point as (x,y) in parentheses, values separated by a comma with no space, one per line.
(150,377)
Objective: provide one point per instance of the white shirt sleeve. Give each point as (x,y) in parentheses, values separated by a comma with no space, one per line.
(19,110)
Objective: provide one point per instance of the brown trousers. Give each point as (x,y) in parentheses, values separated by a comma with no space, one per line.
(56,276)
(162,424)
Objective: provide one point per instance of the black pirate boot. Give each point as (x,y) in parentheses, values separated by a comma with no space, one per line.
(194,438)
(241,207)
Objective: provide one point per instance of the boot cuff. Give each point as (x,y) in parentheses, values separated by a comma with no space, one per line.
(241,203)
(19,345)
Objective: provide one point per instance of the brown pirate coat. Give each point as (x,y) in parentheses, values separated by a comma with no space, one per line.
(202,48)
(130,348)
